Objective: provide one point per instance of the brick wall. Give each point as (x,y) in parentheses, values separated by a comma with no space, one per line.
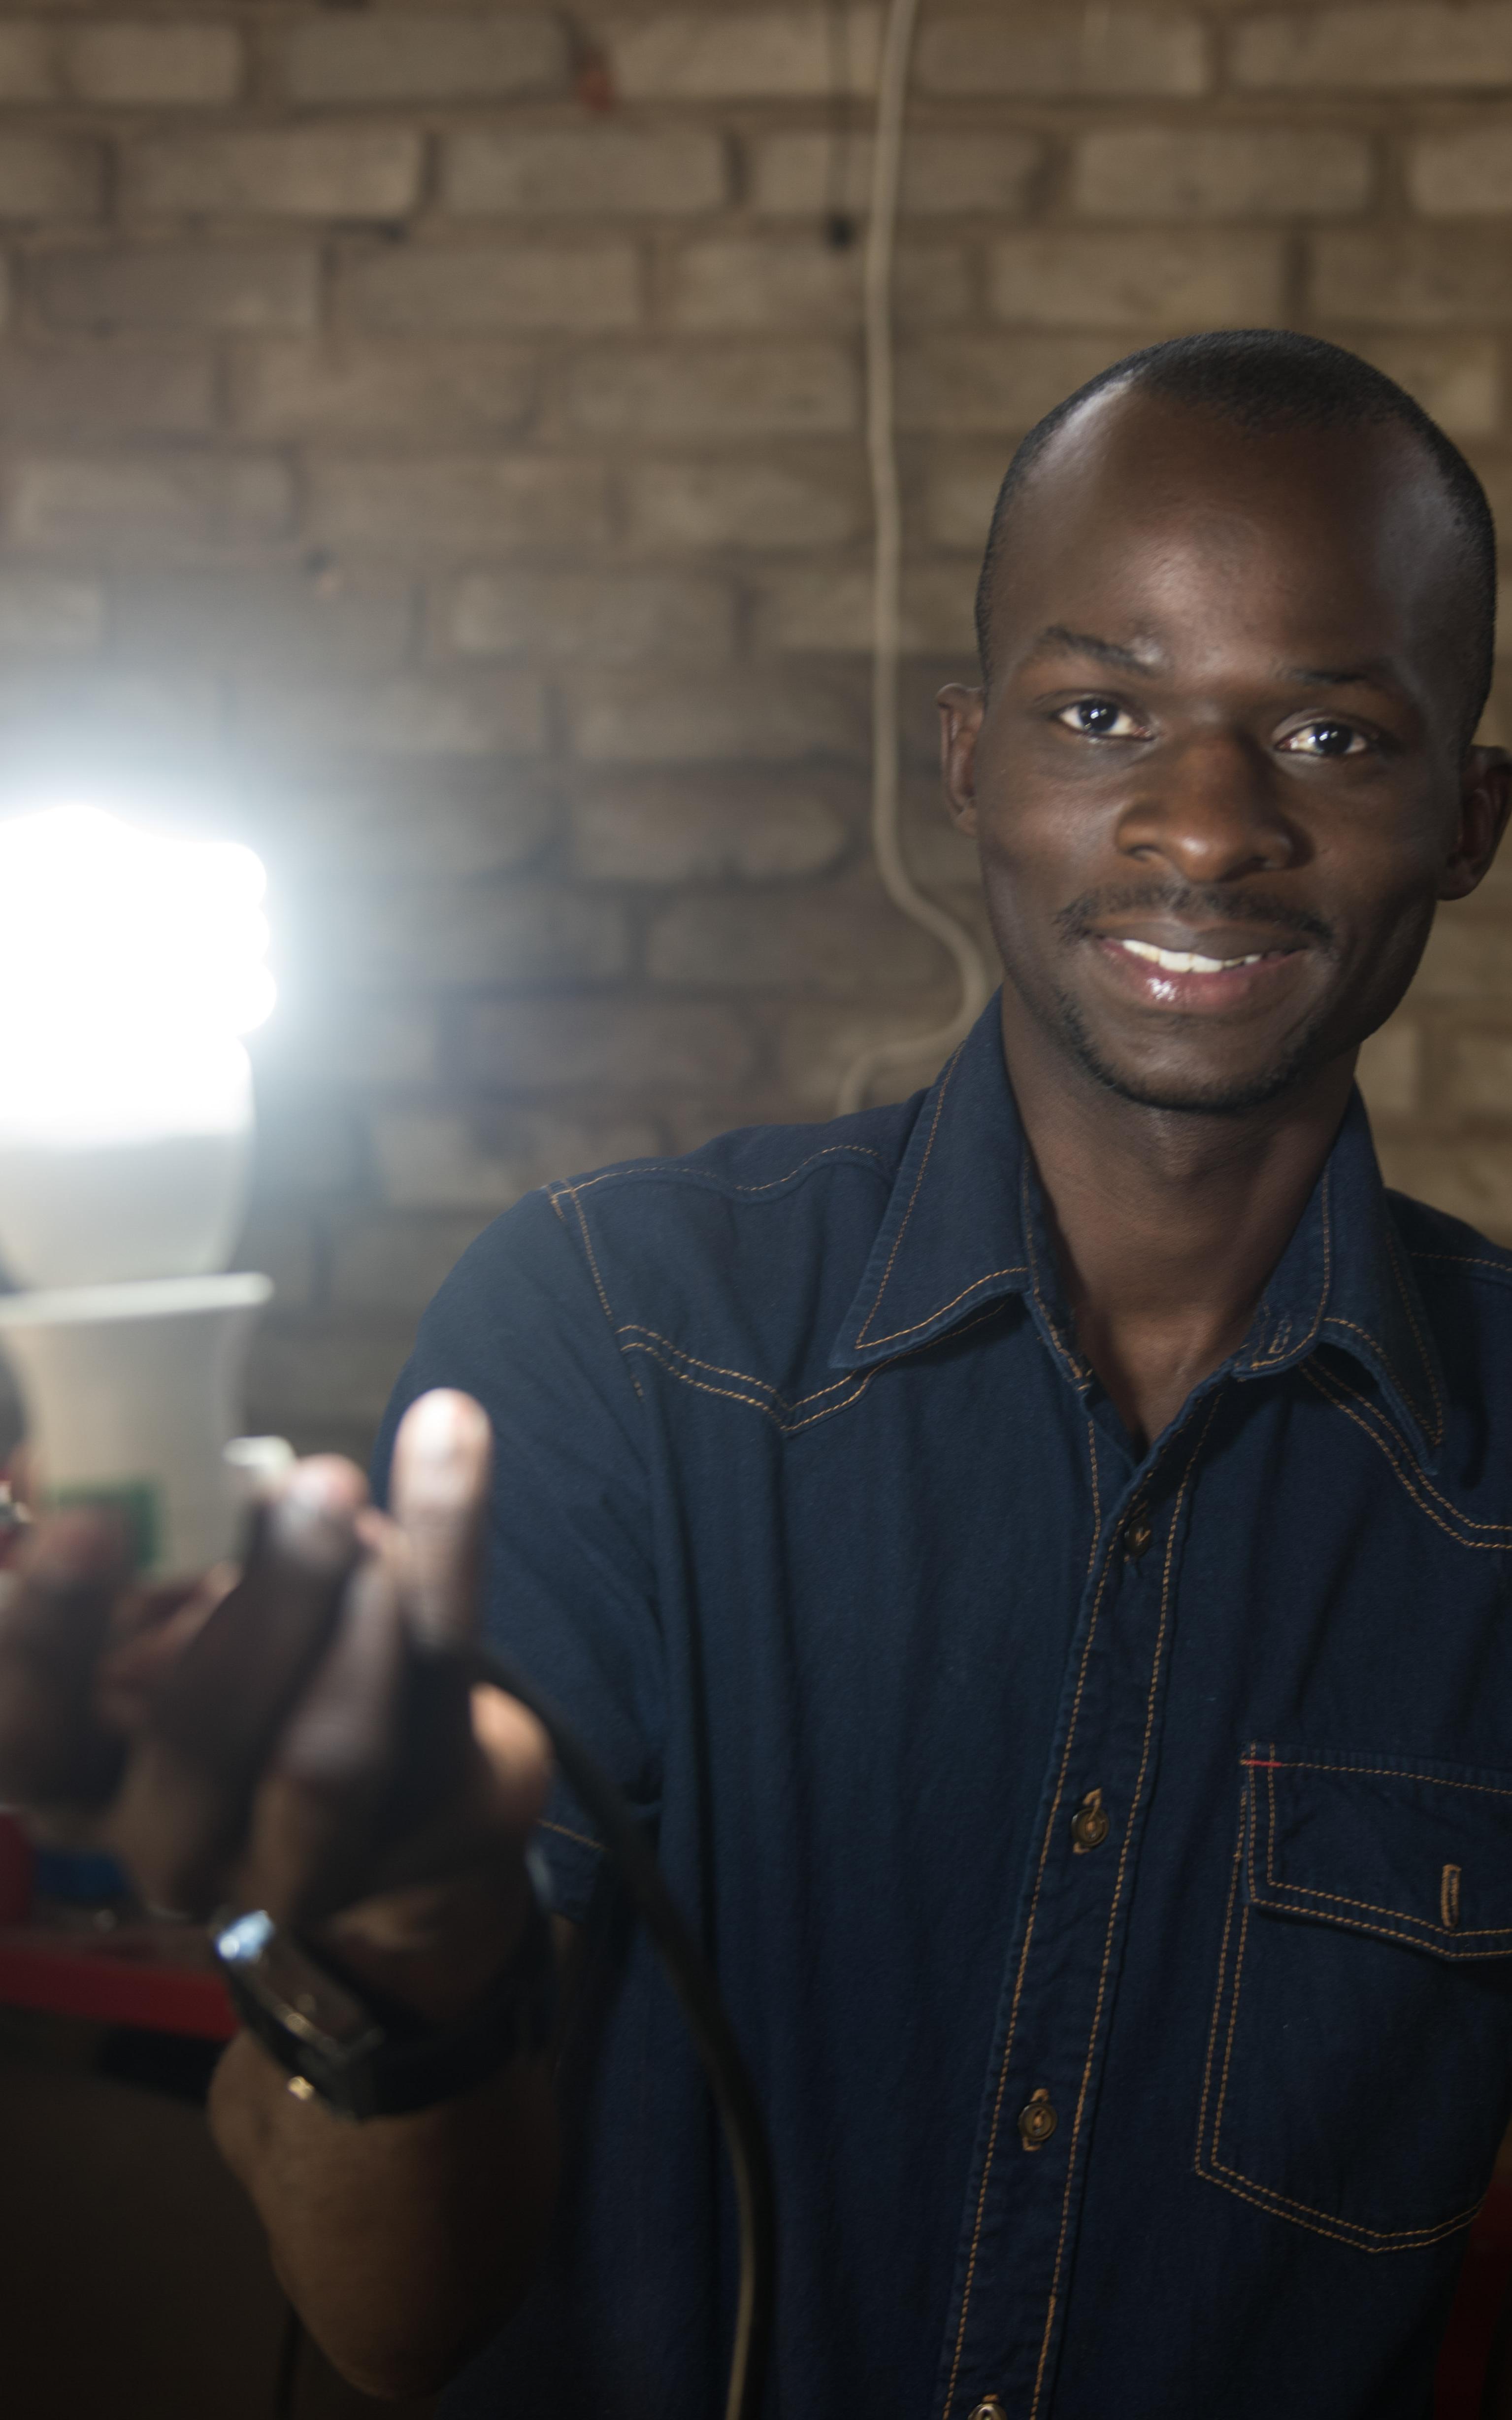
(430,439)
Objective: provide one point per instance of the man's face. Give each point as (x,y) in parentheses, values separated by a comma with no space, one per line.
(1218,781)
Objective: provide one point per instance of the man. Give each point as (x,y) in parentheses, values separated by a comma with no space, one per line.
(1034,1555)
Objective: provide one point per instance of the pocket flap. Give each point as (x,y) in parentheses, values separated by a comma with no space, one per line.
(1396,1846)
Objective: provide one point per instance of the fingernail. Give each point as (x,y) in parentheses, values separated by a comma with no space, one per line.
(311,1487)
(312,1515)
(433,1430)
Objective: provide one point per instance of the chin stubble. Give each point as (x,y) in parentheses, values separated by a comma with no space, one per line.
(1212,1101)
(1084,919)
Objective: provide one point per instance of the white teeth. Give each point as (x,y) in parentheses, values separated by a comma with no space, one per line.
(1187,962)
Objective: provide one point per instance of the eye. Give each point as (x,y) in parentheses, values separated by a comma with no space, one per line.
(1326,739)
(1098,718)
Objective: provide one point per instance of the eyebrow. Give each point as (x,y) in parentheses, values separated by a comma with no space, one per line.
(1376,674)
(1055,638)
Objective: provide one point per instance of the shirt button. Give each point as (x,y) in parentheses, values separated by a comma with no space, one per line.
(1036,2119)
(1089,1825)
(988,2409)
(1137,1536)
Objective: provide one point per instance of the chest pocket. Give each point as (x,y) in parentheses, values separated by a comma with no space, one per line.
(1359,2066)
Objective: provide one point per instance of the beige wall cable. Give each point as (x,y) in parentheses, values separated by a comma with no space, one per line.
(887,637)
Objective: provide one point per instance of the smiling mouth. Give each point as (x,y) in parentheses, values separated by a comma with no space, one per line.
(1200,982)
(1191,962)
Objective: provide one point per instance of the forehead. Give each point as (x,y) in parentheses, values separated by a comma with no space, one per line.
(1199,532)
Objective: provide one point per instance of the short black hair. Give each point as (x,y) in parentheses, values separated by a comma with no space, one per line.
(1265,380)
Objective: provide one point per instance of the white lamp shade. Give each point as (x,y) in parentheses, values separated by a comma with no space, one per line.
(131,1394)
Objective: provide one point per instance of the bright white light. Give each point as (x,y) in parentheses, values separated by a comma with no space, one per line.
(130,962)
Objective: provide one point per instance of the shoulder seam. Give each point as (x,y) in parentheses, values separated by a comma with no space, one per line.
(677,1171)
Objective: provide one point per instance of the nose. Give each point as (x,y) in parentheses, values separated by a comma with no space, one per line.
(1210,810)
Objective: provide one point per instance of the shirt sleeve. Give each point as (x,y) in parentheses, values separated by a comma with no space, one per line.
(569,1587)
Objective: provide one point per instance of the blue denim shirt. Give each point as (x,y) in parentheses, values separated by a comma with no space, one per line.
(1106,1858)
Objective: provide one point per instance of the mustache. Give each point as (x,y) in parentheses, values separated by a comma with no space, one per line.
(1191,904)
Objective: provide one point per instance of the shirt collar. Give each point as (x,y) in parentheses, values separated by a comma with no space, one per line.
(965,1227)
(1345,1279)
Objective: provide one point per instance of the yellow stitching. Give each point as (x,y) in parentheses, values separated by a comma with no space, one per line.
(1248,1819)
(545,1824)
(639,1327)
(674,1170)
(1423,1354)
(934,1125)
(1386,1773)
(1024,1960)
(788,1428)
(1449,1900)
(1255,1815)
(991,2152)
(1223,1978)
(1399,1914)
(1345,2230)
(727,1395)
(1233,2017)
(1271,1835)
(1097,1512)
(1391,1932)
(1077,1368)
(1206,2160)
(893,1334)
(1282,1348)
(1434,1429)
(1135,1797)
(1248,1816)
(1334,1385)
(1343,1899)
(586,1183)
(587,1247)
(1360,2239)
(1421,1478)
(1414,1484)
(1283,2201)
(734,1395)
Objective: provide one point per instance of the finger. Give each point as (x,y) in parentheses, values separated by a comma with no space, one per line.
(439,1495)
(313,1814)
(495,1787)
(448,1903)
(188,1782)
(519,1757)
(54,1614)
(150,1629)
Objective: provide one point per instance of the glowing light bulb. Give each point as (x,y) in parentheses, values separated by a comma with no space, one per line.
(131,963)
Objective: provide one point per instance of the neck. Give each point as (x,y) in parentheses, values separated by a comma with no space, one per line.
(1167,1224)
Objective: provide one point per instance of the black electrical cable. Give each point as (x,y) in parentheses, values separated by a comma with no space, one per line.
(687,1970)
(713,2038)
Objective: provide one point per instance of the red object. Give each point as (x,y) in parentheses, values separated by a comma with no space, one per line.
(1485,2282)
(156,1976)
(159,1977)
(593,84)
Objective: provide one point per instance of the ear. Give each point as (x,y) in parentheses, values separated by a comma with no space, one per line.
(961,713)
(1485,798)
